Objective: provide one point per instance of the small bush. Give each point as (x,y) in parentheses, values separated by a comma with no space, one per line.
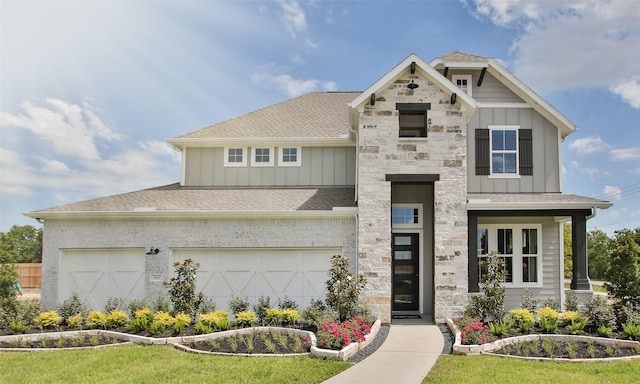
(548,319)
(552,303)
(96,319)
(571,302)
(163,318)
(605,331)
(287,303)
(576,327)
(180,322)
(528,301)
(18,326)
(238,304)
(501,328)
(335,335)
(524,320)
(600,313)
(260,308)
(218,319)
(274,316)
(160,304)
(289,316)
(476,333)
(115,303)
(207,305)
(202,329)
(246,318)
(135,305)
(314,313)
(48,319)
(71,306)
(117,318)
(75,321)
(138,324)
(570,316)
(144,313)
(632,331)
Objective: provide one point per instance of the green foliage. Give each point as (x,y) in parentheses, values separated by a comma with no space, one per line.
(71,306)
(117,318)
(218,319)
(287,303)
(48,319)
(134,305)
(207,305)
(246,318)
(605,331)
(502,327)
(548,319)
(238,304)
(315,313)
(180,322)
(576,327)
(523,318)
(18,326)
(8,280)
(96,319)
(600,313)
(528,301)
(343,288)
(75,321)
(202,328)
(160,304)
(115,303)
(21,244)
(632,331)
(599,247)
(623,275)
(571,302)
(491,305)
(163,318)
(568,251)
(182,288)
(552,303)
(260,308)
(138,324)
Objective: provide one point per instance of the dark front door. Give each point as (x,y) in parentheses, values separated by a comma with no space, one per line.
(405,253)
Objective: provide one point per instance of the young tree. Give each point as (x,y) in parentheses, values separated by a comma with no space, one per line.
(21,244)
(343,288)
(182,288)
(623,275)
(599,253)
(568,251)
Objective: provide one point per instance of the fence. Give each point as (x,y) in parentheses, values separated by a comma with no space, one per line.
(29,274)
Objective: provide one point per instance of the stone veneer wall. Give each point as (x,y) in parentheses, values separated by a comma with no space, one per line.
(186,233)
(443,152)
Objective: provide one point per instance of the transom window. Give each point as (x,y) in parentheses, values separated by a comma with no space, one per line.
(262,157)
(406,216)
(235,157)
(290,156)
(518,247)
(504,150)
(463,82)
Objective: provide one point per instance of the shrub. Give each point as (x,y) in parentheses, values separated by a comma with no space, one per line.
(570,316)
(135,305)
(552,303)
(528,301)
(289,316)
(501,328)
(629,313)
(274,316)
(182,288)
(96,319)
(475,306)
(207,305)
(23,311)
(260,308)
(314,313)
(145,313)
(246,318)
(238,304)
(571,302)
(548,319)
(576,327)
(202,329)
(75,321)
(217,319)
(180,322)
(163,318)
(600,313)
(138,324)
(335,335)
(524,320)
(287,303)
(48,319)
(605,331)
(343,288)
(160,304)
(476,333)
(117,318)
(71,306)
(18,327)
(623,275)
(115,303)
(490,306)
(632,331)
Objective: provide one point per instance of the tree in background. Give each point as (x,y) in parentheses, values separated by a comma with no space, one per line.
(21,244)
(599,247)
(568,251)
(623,275)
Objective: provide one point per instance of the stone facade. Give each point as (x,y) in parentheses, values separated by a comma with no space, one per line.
(166,235)
(442,152)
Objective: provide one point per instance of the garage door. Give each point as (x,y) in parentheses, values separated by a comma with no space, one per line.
(298,274)
(97,275)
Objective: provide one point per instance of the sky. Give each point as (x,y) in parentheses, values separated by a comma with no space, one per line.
(90,91)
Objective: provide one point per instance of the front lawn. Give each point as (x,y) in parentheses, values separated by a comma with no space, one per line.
(489,369)
(159,364)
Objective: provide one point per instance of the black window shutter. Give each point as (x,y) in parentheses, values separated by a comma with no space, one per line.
(483,152)
(525,140)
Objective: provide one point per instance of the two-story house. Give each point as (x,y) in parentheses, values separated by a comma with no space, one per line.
(415,180)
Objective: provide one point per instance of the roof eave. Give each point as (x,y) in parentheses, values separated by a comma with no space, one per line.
(486,205)
(343,140)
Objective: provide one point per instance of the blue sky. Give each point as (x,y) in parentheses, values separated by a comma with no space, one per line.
(90,91)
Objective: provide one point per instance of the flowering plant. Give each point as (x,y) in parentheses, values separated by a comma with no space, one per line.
(476,333)
(336,335)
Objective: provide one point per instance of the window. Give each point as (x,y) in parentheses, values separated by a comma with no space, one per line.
(463,82)
(290,156)
(504,151)
(412,119)
(518,247)
(406,216)
(262,157)
(235,157)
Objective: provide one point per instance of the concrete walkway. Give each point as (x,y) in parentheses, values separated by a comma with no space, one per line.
(406,356)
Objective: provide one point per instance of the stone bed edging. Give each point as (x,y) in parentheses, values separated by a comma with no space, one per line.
(490,348)
(179,341)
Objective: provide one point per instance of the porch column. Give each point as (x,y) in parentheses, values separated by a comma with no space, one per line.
(472,224)
(580,280)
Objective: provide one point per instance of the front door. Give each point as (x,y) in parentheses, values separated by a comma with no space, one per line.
(406,276)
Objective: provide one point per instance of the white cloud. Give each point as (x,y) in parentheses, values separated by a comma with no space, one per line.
(291,86)
(588,145)
(629,91)
(624,154)
(612,192)
(294,18)
(566,44)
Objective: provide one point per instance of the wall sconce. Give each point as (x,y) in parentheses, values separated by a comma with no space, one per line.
(454,97)
(412,85)
(153,251)
(372,99)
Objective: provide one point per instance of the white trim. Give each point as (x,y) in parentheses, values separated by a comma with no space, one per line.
(183,168)
(250,141)
(296,163)
(517,255)
(517,151)
(418,225)
(469,78)
(503,105)
(243,163)
(272,155)
(487,204)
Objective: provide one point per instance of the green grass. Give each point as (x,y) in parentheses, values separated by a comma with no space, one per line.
(159,364)
(489,369)
(596,288)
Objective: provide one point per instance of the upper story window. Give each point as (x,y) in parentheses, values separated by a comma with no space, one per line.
(413,119)
(290,156)
(504,150)
(235,157)
(463,82)
(262,157)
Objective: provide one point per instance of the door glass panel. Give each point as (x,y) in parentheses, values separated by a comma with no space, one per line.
(403,298)
(402,255)
(403,269)
(403,240)
(403,285)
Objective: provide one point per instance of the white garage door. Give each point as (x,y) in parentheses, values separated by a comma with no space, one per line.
(298,274)
(97,275)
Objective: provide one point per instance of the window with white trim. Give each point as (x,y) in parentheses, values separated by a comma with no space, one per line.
(262,157)
(520,248)
(235,157)
(406,216)
(290,156)
(463,82)
(504,150)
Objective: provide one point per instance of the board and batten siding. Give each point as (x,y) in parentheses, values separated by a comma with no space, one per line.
(546,172)
(320,166)
(491,90)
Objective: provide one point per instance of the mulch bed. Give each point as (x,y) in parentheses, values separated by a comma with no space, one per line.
(567,350)
(56,341)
